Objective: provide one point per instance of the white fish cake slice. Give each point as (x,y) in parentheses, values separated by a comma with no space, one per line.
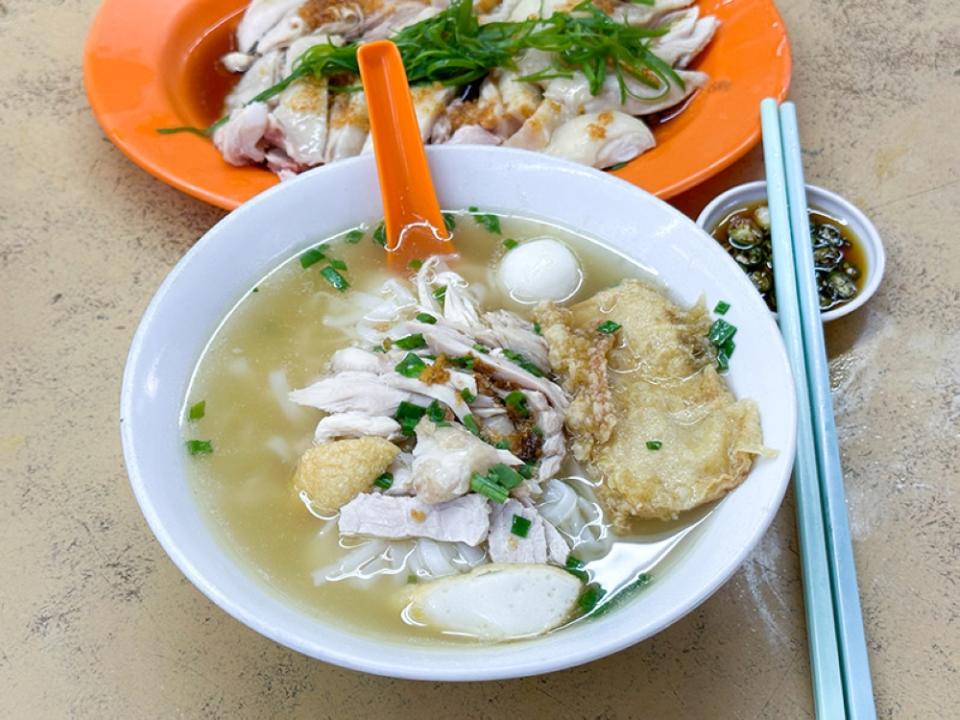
(498,602)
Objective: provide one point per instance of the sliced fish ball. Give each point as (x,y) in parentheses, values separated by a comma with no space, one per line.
(498,602)
(601,139)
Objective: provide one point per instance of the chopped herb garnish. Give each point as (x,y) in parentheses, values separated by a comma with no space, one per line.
(536,328)
(334,278)
(723,355)
(654,444)
(608,327)
(488,488)
(510,243)
(408,415)
(384,481)
(199,447)
(425,318)
(450,221)
(501,445)
(720,332)
(379,348)
(338,264)
(575,567)
(466,362)
(721,307)
(538,430)
(590,598)
(311,257)
(440,293)
(490,222)
(256,289)
(481,348)
(526,471)
(520,526)
(471,424)
(520,360)
(467,396)
(624,594)
(411,366)
(415,264)
(354,236)
(197,410)
(517,402)
(473,209)
(505,476)
(435,412)
(411,342)
(380,235)
(412,580)
(621,165)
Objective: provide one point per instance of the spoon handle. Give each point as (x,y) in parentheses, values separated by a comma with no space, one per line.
(414,225)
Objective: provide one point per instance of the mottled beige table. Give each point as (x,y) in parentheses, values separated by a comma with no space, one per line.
(95,621)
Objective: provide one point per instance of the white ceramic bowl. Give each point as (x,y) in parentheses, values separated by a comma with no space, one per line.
(258,236)
(818,199)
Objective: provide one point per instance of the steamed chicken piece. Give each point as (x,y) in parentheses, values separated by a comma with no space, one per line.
(573,93)
(498,602)
(445,458)
(290,27)
(472,135)
(353,391)
(300,120)
(502,328)
(332,474)
(665,388)
(356,425)
(687,37)
(263,74)
(349,126)
(399,16)
(260,17)
(536,131)
(238,139)
(601,139)
(505,546)
(465,519)
(642,14)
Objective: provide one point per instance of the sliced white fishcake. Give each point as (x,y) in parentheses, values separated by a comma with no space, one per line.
(498,602)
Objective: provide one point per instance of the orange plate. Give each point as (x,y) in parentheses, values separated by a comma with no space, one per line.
(150,64)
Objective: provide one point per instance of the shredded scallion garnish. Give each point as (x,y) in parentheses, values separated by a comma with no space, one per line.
(197,410)
(426,318)
(488,488)
(199,447)
(520,526)
(354,236)
(384,481)
(311,257)
(408,415)
(517,402)
(411,342)
(411,366)
(338,281)
(608,327)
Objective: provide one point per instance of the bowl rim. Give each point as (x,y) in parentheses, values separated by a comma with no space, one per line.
(864,229)
(503,668)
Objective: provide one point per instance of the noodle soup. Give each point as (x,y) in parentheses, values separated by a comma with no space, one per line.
(381,543)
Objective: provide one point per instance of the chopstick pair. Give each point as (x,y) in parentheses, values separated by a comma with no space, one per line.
(842,687)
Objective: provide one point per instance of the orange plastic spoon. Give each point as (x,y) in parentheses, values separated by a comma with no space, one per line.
(414,224)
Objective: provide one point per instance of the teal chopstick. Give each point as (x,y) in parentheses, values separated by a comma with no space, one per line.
(818,598)
(854,664)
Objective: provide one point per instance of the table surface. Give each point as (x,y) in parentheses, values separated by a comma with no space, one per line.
(95,621)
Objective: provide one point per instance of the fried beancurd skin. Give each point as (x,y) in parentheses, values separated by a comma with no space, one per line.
(681,438)
(333,473)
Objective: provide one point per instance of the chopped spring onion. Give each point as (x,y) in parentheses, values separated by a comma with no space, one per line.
(412,580)
(510,243)
(538,430)
(471,424)
(520,360)
(256,289)
(426,318)
(481,348)
(334,278)
(501,445)
(436,412)
(311,257)
(408,415)
(411,342)
(720,332)
(517,402)
(466,362)
(721,307)
(380,235)
(415,264)
(723,355)
(608,327)
(590,598)
(488,488)
(575,567)
(505,475)
(384,481)
(526,471)
(338,264)
(354,236)
(624,594)
(654,444)
(536,328)
(411,366)
(440,293)
(199,447)
(467,396)
(520,526)
(490,222)
(450,221)
(197,410)
(379,348)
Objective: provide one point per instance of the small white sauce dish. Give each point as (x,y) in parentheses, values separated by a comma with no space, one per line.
(228,260)
(818,199)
